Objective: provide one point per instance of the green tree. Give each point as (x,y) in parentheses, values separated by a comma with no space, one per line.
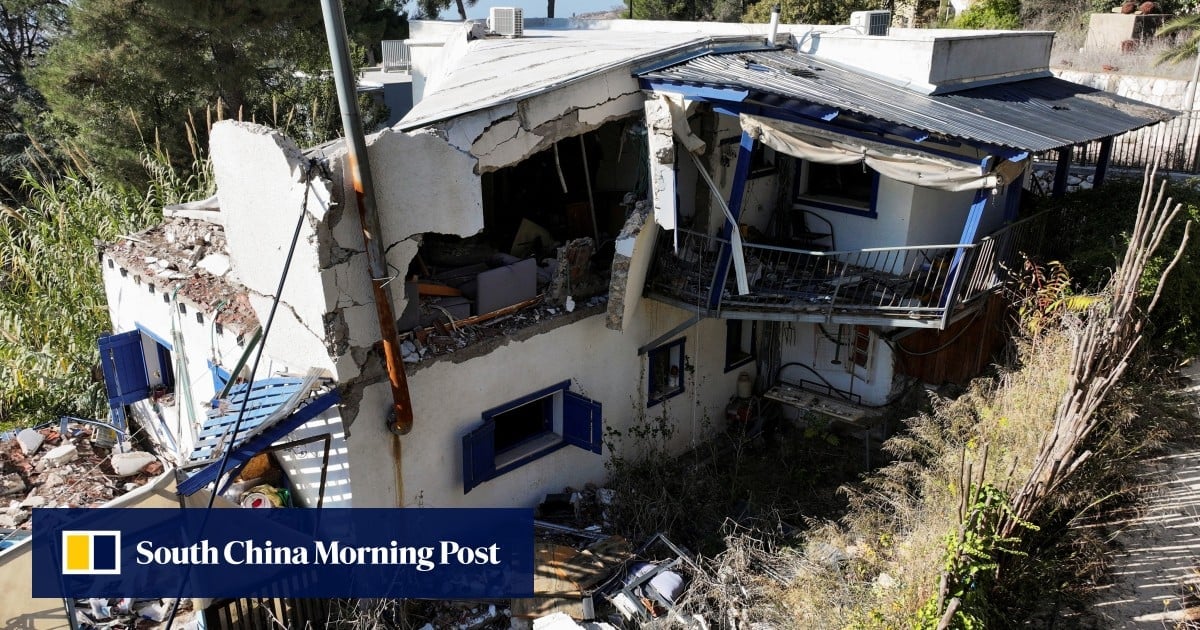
(130,68)
(991,14)
(430,9)
(26,29)
(1184,31)
(808,11)
(52,305)
(692,10)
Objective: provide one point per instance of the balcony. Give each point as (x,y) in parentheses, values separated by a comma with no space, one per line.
(916,286)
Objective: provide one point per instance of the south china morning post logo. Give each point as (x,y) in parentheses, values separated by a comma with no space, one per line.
(360,552)
(91,552)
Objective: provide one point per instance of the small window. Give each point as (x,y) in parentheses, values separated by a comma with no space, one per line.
(666,372)
(739,343)
(528,428)
(843,187)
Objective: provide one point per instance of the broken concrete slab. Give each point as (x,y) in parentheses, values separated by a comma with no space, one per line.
(631,262)
(33,501)
(216,264)
(12,484)
(60,455)
(30,441)
(131,463)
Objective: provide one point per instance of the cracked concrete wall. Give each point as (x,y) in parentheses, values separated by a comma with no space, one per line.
(260,175)
(506,134)
(661,136)
(631,262)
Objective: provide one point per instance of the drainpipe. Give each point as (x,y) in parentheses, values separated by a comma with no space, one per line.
(774,29)
(401,418)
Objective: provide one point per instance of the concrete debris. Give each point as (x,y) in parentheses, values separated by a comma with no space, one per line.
(186,258)
(11,484)
(60,455)
(129,464)
(216,264)
(72,471)
(469,340)
(30,441)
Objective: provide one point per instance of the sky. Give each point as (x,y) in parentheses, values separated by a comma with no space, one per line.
(535,8)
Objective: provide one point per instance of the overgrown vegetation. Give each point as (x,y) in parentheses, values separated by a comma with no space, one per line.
(52,302)
(970,525)
(1092,230)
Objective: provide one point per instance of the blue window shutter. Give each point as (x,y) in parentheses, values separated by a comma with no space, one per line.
(124,368)
(479,456)
(582,422)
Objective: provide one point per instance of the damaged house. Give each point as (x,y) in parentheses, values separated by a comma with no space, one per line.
(596,234)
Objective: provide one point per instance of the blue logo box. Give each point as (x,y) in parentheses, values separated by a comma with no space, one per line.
(322,553)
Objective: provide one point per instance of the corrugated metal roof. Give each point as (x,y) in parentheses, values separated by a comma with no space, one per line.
(1033,115)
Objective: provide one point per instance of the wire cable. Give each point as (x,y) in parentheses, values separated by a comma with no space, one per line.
(313,164)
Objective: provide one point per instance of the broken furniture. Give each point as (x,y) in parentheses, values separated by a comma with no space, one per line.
(843,408)
(469,290)
(653,584)
(566,579)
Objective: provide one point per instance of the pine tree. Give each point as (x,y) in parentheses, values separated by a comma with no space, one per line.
(130,72)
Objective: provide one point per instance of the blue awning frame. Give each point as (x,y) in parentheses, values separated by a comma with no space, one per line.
(242,453)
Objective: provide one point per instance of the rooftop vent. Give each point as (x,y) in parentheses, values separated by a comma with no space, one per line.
(873,23)
(506,21)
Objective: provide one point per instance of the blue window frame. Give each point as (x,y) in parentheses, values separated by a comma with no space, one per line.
(740,338)
(528,428)
(220,377)
(849,188)
(666,368)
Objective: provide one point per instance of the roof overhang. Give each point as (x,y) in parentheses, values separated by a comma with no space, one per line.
(1026,115)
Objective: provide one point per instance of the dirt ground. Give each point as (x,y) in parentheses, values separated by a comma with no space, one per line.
(1157,572)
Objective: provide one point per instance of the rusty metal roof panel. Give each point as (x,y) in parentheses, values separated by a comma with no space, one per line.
(1033,114)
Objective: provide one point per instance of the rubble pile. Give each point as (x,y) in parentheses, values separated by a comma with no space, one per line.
(62,467)
(446,338)
(186,257)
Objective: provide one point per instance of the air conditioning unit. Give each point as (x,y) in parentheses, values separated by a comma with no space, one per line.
(871,22)
(506,21)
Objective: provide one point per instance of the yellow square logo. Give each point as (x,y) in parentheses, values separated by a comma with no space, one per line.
(91,552)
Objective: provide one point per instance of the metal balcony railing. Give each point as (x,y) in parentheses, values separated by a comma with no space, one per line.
(915,285)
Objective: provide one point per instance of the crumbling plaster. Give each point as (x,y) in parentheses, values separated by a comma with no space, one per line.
(261,177)
(506,134)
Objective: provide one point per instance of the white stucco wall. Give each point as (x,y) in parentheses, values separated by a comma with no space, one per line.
(811,349)
(602,364)
(260,179)
(131,303)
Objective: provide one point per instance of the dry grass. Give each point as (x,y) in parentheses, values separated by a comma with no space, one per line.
(893,535)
